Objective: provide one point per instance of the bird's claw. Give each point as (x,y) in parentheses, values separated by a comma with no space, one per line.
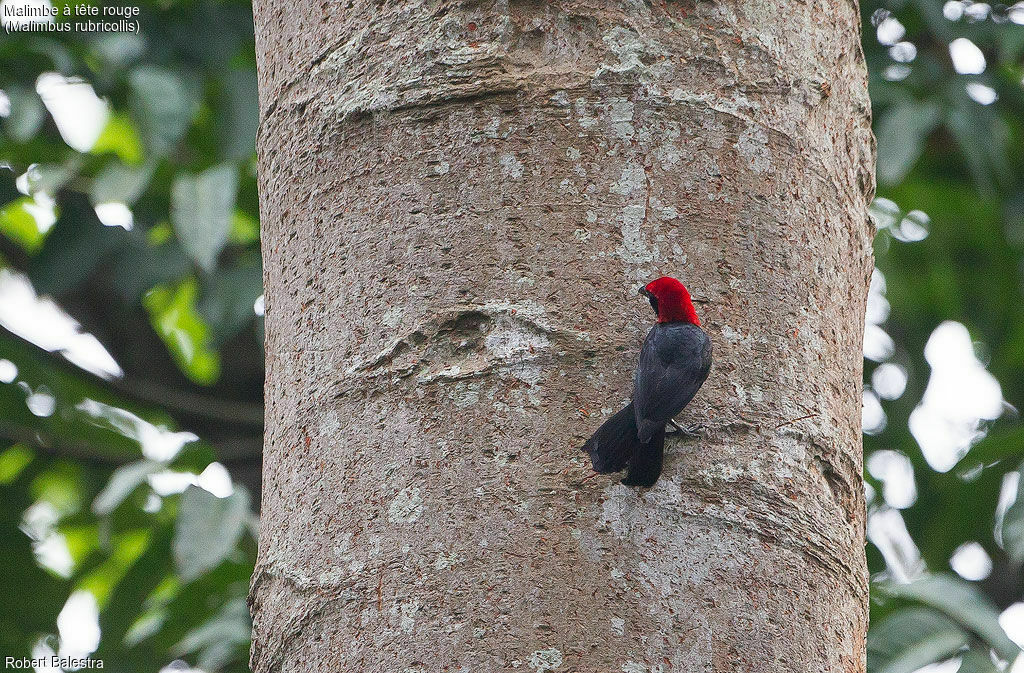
(686,430)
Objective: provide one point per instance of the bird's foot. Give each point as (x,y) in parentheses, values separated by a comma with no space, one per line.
(686,430)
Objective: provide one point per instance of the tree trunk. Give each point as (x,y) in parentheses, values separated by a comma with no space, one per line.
(459,202)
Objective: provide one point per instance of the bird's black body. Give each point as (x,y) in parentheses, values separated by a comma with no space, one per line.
(674,362)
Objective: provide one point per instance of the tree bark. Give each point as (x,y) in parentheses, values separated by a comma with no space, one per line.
(459,201)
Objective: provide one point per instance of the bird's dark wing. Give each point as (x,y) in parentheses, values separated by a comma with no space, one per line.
(674,362)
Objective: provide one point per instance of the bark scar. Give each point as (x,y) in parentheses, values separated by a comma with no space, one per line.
(468,342)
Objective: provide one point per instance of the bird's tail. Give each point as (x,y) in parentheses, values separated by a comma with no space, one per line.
(615,446)
(645,466)
(614,443)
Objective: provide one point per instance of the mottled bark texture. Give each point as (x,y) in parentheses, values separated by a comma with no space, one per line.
(459,202)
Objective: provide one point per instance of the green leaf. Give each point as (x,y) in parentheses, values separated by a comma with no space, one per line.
(137,578)
(69,425)
(938,647)
(196,602)
(228,298)
(912,638)
(17,224)
(960,601)
(202,207)
(61,486)
(120,183)
(173,314)
(123,482)
(27,113)
(81,540)
(901,133)
(163,104)
(160,233)
(143,266)
(125,549)
(237,121)
(12,461)
(207,529)
(976,662)
(244,229)
(34,596)
(1013,527)
(120,137)
(74,248)
(997,445)
(983,139)
(55,51)
(117,50)
(220,639)
(50,178)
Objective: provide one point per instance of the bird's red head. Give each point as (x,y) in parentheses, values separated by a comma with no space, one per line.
(670,300)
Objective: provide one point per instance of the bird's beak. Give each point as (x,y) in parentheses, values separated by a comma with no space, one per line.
(643,291)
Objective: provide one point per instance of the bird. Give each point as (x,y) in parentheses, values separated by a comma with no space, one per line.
(675,360)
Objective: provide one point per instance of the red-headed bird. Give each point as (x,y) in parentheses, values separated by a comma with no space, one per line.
(674,362)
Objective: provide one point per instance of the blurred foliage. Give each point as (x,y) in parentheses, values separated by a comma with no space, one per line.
(951,159)
(172,298)
(170,295)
